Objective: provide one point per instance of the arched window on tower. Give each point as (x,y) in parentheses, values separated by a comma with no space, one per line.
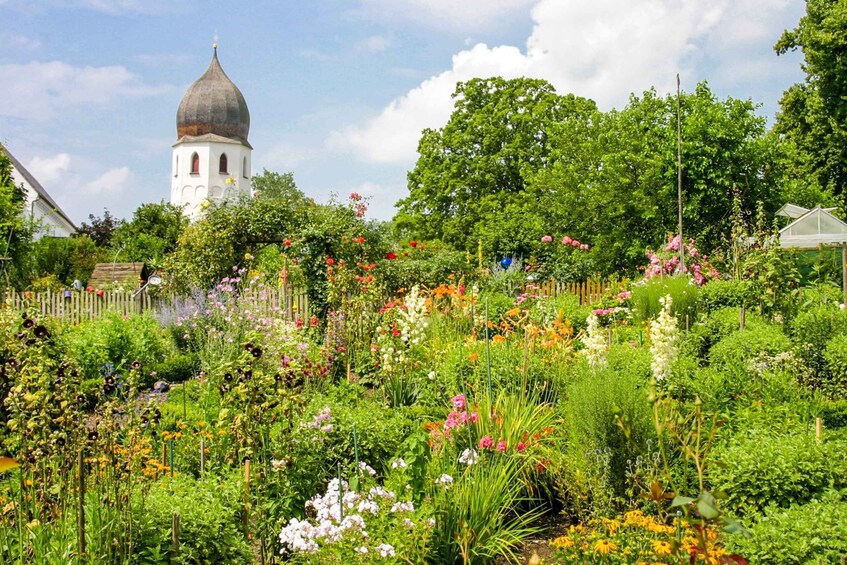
(244,168)
(195,164)
(222,165)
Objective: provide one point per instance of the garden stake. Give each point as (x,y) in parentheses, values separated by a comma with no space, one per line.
(742,317)
(687,323)
(818,429)
(175,538)
(340,497)
(356,445)
(171,459)
(164,454)
(246,491)
(202,455)
(80,517)
(184,417)
(487,348)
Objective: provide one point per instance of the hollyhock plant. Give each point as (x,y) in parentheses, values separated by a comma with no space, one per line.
(546,239)
(666,262)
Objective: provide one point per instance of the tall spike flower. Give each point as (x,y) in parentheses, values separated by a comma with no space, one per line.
(664,334)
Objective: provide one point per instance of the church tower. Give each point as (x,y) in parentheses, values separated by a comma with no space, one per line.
(211,158)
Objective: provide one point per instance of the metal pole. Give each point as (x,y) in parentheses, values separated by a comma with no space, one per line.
(487,349)
(844,270)
(679,175)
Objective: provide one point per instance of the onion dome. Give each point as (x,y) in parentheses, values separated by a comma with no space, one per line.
(213,105)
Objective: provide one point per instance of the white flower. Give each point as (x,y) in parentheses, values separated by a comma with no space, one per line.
(367,468)
(407,506)
(445,480)
(469,457)
(431,375)
(385,550)
(595,343)
(664,333)
(278,464)
(408,523)
(398,463)
(362,549)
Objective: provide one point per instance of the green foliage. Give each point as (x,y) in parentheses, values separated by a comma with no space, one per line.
(647,294)
(810,533)
(117,341)
(813,114)
(279,188)
(609,420)
(757,469)
(835,355)
(210,512)
(734,352)
(812,330)
(151,234)
(458,182)
(177,368)
(724,293)
(15,232)
(66,259)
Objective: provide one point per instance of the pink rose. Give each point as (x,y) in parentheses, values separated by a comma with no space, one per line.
(546,239)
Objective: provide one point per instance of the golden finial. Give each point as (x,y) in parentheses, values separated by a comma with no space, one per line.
(215,44)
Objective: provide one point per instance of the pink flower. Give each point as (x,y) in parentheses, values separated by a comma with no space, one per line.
(546,239)
(566,240)
(486,442)
(474,417)
(584,247)
(501,446)
(459,402)
(575,243)
(521,446)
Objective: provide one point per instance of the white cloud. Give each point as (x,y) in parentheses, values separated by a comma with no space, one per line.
(48,170)
(602,50)
(22,42)
(38,90)
(449,14)
(373,44)
(111,181)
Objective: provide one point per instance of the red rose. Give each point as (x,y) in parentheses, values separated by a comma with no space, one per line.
(390,255)
(330,261)
(413,243)
(287,243)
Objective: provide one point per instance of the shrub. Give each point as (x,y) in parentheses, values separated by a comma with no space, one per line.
(725,293)
(734,352)
(177,368)
(811,330)
(210,511)
(835,355)
(117,341)
(833,413)
(757,469)
(811,533)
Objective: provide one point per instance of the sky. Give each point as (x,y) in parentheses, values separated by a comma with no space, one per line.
(340,90)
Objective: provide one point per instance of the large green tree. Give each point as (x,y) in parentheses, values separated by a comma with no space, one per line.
(477,165)
(151,234)
(813,114)
(613,183)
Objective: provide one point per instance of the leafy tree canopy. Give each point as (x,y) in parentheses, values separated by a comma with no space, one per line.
(15,232)
(100,230)
(151,234)
(813,114)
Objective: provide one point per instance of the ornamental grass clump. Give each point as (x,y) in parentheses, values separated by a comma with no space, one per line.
(664,335)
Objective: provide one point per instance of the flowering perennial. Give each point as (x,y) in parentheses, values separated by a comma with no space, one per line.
(595,343)
(664,333)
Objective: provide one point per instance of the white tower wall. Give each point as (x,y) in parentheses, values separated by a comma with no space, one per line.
(194,191)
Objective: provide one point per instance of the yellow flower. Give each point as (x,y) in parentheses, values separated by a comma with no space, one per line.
(605,547)
(661,547)
(578,529)
(562,542)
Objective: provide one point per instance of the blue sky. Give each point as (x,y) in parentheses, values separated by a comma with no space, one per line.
(339,90)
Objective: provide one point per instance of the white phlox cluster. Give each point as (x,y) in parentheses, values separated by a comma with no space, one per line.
(664,334)
(328,526)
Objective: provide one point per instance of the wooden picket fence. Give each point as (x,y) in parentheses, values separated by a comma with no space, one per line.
(588,291)
(76,307)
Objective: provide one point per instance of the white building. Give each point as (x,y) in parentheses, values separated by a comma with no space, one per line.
(40,206)
(211,158)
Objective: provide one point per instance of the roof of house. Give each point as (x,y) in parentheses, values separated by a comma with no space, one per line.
(110,273)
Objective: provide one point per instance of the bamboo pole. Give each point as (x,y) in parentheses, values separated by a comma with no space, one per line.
(80,516)
(175,528)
